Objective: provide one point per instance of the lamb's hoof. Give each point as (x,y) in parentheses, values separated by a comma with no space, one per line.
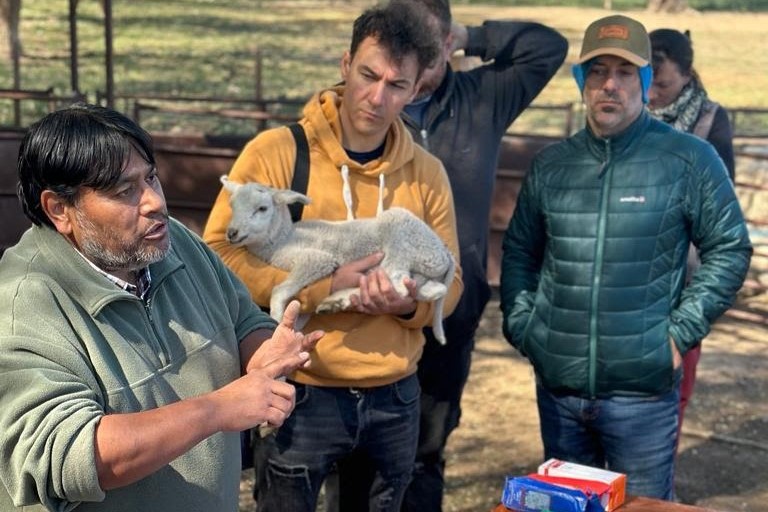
(265,430)
(432,290)
(332,306)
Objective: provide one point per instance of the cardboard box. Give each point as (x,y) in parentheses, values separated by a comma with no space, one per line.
(611,486)
(591,488)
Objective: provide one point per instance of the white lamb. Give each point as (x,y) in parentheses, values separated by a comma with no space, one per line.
(313,249)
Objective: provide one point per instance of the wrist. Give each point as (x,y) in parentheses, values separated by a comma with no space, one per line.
(460,37)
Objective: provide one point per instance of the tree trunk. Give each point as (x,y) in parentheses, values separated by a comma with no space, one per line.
(667,5)
(10,11)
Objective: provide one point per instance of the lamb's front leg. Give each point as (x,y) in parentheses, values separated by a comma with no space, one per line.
(311,266)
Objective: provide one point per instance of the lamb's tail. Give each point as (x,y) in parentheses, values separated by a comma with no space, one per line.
(437,321)
(437,316)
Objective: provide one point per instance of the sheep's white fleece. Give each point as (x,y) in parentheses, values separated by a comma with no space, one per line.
(313,249)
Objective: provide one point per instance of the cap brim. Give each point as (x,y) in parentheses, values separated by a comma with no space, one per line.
(618,52)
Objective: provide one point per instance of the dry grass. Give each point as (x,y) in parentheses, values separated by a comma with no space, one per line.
(731,48)
(202,47)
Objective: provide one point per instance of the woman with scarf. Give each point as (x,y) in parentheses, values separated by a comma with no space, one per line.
(678,98)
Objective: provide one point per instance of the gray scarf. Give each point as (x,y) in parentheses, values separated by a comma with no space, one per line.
(685,110)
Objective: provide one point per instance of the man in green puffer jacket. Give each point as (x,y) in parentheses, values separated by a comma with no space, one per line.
(593,270)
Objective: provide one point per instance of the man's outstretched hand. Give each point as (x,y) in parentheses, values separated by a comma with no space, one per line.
(287,349)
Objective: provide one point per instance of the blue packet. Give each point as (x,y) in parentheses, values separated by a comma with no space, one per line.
(526,494)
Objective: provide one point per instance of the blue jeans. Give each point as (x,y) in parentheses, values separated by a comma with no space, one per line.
(328,424)
(443,371)
(631,435)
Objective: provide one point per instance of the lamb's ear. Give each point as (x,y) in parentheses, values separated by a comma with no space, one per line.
(290,197)
(229,186)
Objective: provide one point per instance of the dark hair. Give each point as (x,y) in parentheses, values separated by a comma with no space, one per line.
(79,146)
(667,43)
(400,29)
(439,9)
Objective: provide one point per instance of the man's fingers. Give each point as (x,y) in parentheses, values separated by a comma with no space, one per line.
(309,341)
(286,365)
(410,284)
(364,297)
(385,284)
(291,314)
(369,261)
(283,394)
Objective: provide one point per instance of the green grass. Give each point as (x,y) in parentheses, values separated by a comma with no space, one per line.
(208,48)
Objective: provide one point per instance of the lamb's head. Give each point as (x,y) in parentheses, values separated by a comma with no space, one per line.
(259,212)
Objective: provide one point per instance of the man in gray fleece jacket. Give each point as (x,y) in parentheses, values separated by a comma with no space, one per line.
(130,356)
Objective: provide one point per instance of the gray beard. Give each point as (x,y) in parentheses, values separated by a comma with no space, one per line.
(129,257)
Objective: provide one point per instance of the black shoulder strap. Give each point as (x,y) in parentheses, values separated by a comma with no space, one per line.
(300,168)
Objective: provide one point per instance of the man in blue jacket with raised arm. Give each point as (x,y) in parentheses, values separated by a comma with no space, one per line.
(594,262)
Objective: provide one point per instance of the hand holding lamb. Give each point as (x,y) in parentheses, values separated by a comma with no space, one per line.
(313,249)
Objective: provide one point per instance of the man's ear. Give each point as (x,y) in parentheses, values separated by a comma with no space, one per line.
(448,49)
(57,210)
(346,62)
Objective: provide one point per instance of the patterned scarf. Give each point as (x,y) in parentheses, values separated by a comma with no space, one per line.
(684,111)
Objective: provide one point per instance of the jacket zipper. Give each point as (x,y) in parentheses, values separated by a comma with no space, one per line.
(161,348)
(605,173)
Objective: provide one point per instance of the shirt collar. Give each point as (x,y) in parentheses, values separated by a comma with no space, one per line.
(143,279)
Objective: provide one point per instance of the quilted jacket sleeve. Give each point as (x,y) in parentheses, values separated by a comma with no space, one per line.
(720,233)
(522,253)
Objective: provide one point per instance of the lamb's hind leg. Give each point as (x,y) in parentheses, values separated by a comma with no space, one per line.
(432,290)
(340,300)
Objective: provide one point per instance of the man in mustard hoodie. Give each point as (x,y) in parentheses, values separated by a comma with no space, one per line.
(361,393)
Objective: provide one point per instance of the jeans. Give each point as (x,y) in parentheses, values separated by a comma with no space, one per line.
(330,423)
(443,372)
(631,435)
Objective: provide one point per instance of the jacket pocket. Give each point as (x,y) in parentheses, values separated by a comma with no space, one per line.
(520,320)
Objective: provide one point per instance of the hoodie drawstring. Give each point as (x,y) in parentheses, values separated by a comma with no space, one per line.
(380,205)
(346,193)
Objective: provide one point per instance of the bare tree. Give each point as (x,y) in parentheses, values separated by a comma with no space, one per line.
(667,5)
(10,11)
